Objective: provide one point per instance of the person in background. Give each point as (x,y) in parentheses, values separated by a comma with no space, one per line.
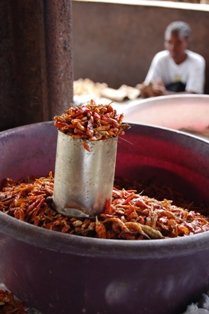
(175,69)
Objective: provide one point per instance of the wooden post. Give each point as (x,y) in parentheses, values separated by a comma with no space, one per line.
(36,77)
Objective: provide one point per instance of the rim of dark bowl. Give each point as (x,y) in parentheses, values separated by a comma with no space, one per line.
(86,246)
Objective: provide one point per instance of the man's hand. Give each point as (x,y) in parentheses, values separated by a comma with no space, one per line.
(152,89)
(158,88)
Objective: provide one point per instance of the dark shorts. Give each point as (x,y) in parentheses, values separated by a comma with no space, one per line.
(176,87)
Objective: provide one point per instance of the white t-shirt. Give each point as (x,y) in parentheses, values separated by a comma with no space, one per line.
(190,72)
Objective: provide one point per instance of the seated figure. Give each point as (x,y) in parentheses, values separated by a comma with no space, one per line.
(175,69)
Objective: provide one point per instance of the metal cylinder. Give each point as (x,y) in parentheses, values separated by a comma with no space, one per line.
(84,176)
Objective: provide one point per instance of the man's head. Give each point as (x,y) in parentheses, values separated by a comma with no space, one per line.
(177,35)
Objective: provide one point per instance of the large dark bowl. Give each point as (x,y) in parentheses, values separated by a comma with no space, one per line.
(59,273)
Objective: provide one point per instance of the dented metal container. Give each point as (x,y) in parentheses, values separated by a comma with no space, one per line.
(84,175)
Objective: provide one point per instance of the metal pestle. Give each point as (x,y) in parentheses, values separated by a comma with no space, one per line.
(84,178)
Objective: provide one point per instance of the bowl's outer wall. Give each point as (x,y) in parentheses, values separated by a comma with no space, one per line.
(74,284)
(60,282)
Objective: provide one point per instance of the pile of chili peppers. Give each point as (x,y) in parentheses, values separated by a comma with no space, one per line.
(130,215)
(10,305)
(91,122)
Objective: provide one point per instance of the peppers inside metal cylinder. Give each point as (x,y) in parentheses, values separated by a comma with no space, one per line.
(86,157)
